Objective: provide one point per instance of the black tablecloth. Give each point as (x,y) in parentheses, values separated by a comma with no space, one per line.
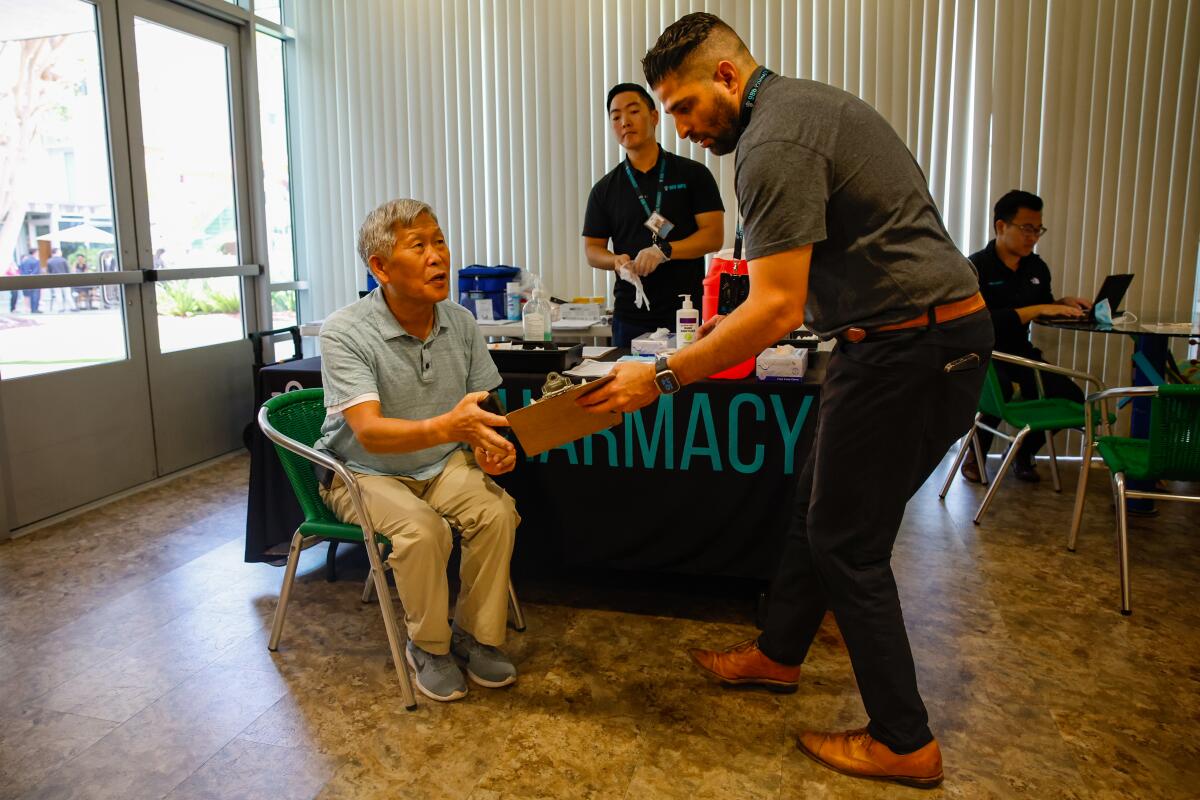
(698,483)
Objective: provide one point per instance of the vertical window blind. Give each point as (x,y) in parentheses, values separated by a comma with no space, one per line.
(493,112)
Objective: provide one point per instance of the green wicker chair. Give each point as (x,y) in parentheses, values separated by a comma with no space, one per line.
(1172,453)
(1043,415)
(292,421)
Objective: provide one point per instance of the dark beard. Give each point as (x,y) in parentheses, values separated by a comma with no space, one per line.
(727,124)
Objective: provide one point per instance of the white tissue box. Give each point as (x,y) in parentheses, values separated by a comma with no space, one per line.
(781,364)
(581,311)
(647,346)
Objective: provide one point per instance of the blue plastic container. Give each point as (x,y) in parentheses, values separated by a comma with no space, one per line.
(478,283)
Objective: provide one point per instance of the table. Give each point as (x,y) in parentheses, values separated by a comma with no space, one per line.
(1152,333)
(512,330)
(699,483)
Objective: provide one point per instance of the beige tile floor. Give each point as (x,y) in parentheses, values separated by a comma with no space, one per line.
(133,664)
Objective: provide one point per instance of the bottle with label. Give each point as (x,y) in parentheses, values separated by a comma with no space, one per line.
(687,323)
(535,318)
(512,298)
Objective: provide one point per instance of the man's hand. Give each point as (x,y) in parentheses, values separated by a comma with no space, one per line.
(709,326)
(495,465)
(1056,310)
(1077,302)
(631,388)
(648,260)
(469,423)
(620,260)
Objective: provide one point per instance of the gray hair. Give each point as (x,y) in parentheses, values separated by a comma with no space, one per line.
(377,236)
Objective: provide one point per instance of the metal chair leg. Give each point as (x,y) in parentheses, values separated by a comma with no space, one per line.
(1004,465)
(962,453)
(1053,461)
(285,591)
(369,586)
(514,607)
(331,561)
(1123,544)
(397,638)
(1085,465)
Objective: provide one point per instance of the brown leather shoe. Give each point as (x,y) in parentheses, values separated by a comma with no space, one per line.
(744,663)
(857,754)
(970,467)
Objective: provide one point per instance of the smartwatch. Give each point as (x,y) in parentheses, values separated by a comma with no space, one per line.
(664,378)
(665,246)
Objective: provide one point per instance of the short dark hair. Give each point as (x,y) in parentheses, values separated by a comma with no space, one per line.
(678,42)
(1012,202)
(628,87)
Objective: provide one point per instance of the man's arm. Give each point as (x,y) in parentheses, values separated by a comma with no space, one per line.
(466,422)
(774,308)
(600,257)
(708,238)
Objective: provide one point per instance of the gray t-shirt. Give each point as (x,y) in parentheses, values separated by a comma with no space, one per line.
(367,355)
(818,166)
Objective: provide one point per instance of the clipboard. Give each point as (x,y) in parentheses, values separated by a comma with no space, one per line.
(556,420)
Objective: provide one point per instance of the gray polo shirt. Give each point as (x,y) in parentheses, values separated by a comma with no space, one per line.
(818,166)
(367,355)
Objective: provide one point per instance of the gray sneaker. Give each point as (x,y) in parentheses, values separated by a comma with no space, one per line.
(438,677)
(486,665)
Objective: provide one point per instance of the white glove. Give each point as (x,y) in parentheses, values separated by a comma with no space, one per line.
(648,260)
(625,273)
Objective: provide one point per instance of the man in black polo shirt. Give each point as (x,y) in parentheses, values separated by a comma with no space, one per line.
(660,229)
(1015,283)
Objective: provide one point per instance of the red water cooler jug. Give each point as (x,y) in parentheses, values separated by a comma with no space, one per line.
(708,308)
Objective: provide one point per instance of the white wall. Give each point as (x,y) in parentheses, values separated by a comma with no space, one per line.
(493,113)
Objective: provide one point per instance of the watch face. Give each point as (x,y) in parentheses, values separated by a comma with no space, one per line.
(667,382)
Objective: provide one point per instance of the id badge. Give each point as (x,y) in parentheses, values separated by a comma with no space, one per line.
(659,225)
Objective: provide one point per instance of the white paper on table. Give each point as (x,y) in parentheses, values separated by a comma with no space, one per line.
(597,351)
(591,369)
(1171,327)
(572,324)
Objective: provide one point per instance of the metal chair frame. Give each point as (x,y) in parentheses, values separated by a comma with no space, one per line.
(1120,491)
(397,635)
(1016,439)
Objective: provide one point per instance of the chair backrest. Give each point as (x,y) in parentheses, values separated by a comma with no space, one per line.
(1175,433)
(991,400)
(298,415)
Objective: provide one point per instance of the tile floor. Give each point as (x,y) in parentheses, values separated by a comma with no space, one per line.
(133,664)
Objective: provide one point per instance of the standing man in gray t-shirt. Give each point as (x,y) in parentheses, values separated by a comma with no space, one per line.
(842,234)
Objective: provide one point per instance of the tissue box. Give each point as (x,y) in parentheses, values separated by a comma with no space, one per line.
(781,364)
(647,346)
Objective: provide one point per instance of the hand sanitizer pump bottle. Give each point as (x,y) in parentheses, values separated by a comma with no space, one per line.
(687,323)
(535,318)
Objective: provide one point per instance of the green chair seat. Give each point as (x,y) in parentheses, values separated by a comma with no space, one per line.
(332,530)
(1122,454)
(1048,414)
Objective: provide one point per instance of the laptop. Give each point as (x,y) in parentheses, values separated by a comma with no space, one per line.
(1113,290)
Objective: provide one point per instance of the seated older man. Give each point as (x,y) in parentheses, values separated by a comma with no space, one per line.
(405,371)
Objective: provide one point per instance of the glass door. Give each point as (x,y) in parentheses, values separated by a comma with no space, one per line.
(182,74)
(74,389)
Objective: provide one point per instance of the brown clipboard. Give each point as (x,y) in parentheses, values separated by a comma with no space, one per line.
(556,420)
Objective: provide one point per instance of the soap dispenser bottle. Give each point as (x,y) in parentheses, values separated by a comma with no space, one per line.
(535,318)
(687,323)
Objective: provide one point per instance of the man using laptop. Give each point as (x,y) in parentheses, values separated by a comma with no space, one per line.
(1015,283)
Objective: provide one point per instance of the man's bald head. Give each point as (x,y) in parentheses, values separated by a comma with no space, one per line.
(693,46)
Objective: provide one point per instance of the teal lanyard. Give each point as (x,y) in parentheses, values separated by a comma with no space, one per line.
(662,174)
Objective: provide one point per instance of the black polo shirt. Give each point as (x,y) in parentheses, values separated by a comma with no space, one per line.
(1005,290)
(614,212)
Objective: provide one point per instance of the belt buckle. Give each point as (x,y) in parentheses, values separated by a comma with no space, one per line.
(855,334)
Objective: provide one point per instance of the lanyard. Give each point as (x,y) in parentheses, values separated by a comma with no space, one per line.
(662,174)
(747,110)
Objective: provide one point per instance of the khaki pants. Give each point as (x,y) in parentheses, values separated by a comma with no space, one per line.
(416,516)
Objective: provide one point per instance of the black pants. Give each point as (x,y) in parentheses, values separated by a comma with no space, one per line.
(624,331)
(889,411)
(1055,386)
